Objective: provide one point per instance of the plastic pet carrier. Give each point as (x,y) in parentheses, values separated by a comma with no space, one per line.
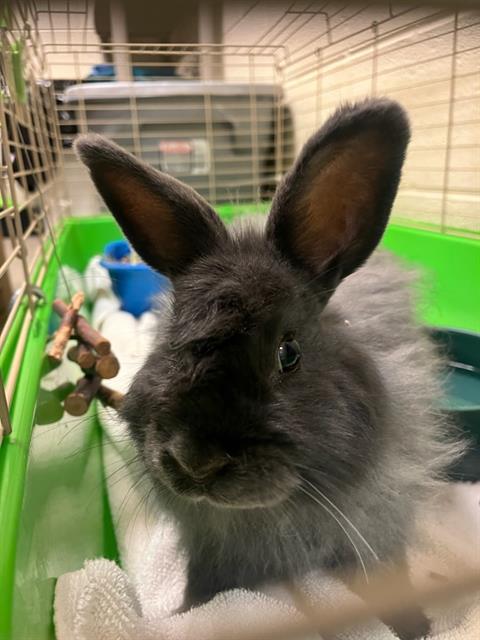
(209,146)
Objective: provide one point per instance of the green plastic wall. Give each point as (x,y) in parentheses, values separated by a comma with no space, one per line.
(451,267)
(53,504)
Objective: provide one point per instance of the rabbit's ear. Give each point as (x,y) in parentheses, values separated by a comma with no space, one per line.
(168,224)
(332,207)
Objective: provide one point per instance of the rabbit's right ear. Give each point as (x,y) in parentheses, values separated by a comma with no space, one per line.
(332,208)
(168,223)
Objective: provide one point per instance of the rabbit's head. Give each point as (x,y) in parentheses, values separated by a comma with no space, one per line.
(251,380)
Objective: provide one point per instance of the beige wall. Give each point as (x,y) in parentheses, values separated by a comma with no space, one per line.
(414,64)
(70,42)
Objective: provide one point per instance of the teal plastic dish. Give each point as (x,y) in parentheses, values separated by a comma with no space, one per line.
(462,397)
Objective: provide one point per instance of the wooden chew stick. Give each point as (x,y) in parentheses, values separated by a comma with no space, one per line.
(85,331)
(72,353)
(64,331)
(77,403)
(107,366)
(110,397)
(82,355)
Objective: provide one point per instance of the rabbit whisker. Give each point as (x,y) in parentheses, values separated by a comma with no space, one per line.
(342,514)
(345,531)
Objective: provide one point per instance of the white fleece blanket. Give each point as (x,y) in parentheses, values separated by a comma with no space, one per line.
(136,602)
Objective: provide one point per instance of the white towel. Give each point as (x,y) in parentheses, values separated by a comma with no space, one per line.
(102,601)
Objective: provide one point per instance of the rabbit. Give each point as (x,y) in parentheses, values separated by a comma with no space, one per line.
(286,414)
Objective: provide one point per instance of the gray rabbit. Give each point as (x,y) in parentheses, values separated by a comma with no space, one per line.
(286,414)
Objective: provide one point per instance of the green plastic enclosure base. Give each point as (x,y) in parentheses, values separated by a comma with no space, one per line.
(54,516)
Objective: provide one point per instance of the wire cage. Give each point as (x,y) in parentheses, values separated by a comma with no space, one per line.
(227,117)
(31,200)
(261,98)
(226,113)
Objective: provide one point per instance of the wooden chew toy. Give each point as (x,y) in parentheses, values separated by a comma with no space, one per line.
(92,353)
(110,397)
(82,355)
(107,366)
(69,317)
(84,331)
(77,403)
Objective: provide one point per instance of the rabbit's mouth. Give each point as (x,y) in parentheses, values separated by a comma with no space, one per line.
(229,487)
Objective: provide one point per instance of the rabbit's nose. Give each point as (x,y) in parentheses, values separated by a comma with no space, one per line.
(207,469)
(199,468)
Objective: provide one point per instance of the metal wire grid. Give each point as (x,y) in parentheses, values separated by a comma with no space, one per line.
(247,129)
(242,127)
(319,54)
(427,58)
(29,181)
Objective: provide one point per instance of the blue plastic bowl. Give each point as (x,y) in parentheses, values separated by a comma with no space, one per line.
(134,284)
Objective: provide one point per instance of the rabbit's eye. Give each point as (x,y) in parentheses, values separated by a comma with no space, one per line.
(289,355)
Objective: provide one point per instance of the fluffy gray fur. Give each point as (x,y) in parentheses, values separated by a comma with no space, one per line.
(270,471)
(375,308)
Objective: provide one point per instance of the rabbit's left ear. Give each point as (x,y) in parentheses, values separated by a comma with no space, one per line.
(332,208)
(168,223)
